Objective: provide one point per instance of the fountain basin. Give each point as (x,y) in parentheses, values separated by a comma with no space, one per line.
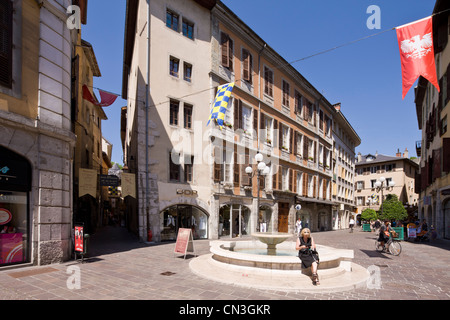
(228,264)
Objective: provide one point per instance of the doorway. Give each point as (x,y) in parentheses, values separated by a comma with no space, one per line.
(283,216)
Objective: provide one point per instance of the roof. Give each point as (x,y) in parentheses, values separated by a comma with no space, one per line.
(381,158)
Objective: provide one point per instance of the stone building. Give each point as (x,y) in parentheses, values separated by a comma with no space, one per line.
(36,137)
(190,175)
(433,111)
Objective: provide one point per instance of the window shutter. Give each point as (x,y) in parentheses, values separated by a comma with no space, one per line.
(235,168)
(305,147)
(324,190)
(294,180)
(280,136)
(294,147)
(274,177)
(305,184)
(291,176)
(446,154)
(280,178)
(224,40)
(275,130)
(237,114)
(218,175)
(75,88)
(314,186)
(255,122)
(247,65)
(6,32)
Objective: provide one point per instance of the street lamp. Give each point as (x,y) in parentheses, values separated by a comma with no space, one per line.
(261,169)
(380,185)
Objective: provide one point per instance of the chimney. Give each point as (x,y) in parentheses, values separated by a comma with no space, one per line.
(398,154)
(406,154)
(359,157)
(337,106)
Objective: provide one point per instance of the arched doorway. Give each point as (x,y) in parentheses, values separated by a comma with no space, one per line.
(229,222)
(183,216)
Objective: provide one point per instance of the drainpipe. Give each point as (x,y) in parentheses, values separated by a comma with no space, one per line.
(147,92)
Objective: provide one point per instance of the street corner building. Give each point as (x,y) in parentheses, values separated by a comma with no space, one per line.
(36,138)
(279,142)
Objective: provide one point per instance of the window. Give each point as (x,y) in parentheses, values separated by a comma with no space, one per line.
(443,125)
(187,75)
(174,106)
(298,103)
(187,116)
(174,66)
(285,179)
(299,183)
(285,139)
(311,150)
(188,168)
(246,119)
(268,81)
(172,20)
(247,61)
(268,126)
(299,144)
(286,89)
(310,186)
(372,183)
(188,29)
(359,185)
(227,51)
(174,167)
(6,56)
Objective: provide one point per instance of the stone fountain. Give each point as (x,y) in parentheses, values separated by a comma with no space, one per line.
(271,240)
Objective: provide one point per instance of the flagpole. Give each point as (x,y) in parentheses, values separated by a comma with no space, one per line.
(147,92)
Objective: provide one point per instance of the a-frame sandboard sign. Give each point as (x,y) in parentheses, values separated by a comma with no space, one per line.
(185,242)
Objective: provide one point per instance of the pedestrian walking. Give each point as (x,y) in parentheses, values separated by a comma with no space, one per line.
(352,223)
(298,226)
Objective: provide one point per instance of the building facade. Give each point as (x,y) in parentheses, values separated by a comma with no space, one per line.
(433,110)
(345,140)
(195,175)
(36,138)
(399,169)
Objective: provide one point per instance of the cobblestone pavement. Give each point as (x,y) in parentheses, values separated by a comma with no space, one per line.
(119,267)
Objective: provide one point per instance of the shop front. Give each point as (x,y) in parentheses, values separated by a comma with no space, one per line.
(183,216)
(15,186)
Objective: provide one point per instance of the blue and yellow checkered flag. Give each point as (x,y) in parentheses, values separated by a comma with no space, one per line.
(220,104)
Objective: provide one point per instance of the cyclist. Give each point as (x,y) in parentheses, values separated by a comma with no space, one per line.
(385,232)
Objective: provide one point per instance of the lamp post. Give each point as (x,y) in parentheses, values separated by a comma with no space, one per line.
(380,186)
(261,169)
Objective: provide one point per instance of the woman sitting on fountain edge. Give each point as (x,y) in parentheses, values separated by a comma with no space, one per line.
(307,253)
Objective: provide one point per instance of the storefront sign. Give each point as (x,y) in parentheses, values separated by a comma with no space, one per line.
(87,182)
(79,236)
(109,180)
(5,216)
(185,242)
(187,192)
(128,185)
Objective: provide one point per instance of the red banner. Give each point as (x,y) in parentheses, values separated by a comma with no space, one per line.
(79,247)
(107,98)
(415,41)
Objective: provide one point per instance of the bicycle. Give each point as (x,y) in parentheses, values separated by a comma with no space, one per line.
(393,245)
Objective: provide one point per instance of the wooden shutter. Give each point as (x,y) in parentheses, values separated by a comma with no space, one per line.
(291,140)
(280,178)
(305,184)
(314,186)
(247,65)
(75,87)
(235,168)
(274,177)
(324,189)
(255,121)
(280,135)
(294,173)
(224,41)
(294,147)
(305,147)
(275,130)
(291,176)
(446,154)
(237,113)
(6,30)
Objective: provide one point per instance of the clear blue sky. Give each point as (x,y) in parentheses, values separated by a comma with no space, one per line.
(364,76)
